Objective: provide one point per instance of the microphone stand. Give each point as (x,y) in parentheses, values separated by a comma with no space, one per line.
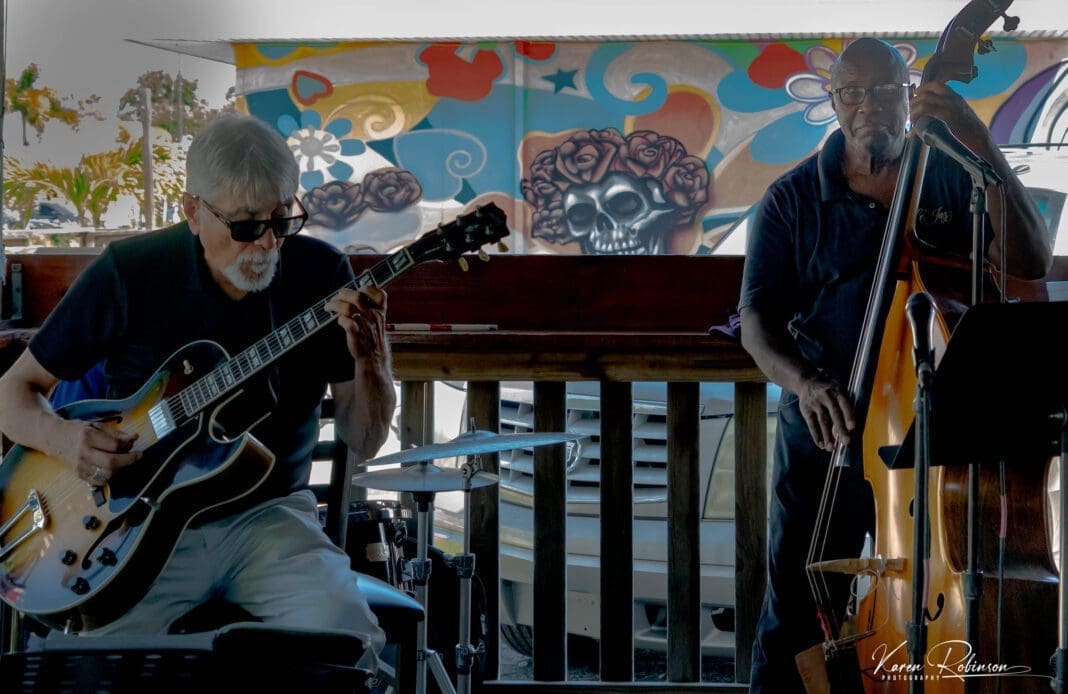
(920,313)
(1060,657)
(982,175)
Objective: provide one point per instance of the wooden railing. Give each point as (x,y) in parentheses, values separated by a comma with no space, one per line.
(614,320)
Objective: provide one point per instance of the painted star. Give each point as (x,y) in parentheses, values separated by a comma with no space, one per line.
(561,80)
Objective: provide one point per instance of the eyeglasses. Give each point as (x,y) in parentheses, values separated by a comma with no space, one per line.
(882,93)
(249,230)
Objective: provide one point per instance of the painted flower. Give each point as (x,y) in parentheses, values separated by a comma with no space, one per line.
(335,205)
(813,88)
(686,185)
(390,190)
(647,153)
(548,220)
(537,189)
(543,167)
(587,155)
(318,148)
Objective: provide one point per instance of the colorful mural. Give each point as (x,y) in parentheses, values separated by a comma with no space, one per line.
(590,147)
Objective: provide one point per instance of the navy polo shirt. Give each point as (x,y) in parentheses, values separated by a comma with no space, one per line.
(146,297)
(814,244)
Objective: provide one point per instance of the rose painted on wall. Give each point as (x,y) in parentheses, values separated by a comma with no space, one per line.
(391,190)
(335,205)
(686,185)
(647,153)
(339,204)
(587,156)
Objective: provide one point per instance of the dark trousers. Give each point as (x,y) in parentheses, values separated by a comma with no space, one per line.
(788,621)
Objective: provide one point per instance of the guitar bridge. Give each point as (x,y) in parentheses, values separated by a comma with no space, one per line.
(32,507)
(162,420)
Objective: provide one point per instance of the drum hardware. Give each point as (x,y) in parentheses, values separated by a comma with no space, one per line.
(423,480)
(377,533)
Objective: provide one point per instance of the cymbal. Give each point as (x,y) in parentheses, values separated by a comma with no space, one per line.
(424,477)
(473,443)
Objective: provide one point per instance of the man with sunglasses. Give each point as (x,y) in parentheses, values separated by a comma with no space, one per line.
(808,271)
(232,273)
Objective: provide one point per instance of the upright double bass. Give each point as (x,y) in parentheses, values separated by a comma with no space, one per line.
(989,596)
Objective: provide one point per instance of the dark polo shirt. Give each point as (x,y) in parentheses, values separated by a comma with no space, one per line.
(146,297)
(812,251)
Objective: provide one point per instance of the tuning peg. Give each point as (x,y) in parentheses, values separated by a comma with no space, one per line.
(1011,23)
(984,46)
(501,247)
(483,256)
(463,263)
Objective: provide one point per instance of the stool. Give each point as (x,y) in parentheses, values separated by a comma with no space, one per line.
(399,615)
(233,658)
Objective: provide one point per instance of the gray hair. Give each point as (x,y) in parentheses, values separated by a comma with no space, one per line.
(242,156)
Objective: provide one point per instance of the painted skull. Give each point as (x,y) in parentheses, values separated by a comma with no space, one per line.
(619,215)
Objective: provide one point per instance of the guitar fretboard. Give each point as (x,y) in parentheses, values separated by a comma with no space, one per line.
(229,375)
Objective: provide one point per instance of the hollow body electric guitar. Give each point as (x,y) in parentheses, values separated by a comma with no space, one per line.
(77,556)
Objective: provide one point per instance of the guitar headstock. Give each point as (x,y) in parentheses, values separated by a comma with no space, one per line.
(468,232)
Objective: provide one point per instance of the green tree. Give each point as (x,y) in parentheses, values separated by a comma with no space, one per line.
(20,192)
(195,110)
(105,171)
(71,183)
(168,171)
(38,105)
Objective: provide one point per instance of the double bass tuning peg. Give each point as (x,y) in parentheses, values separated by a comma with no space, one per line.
(1011,23)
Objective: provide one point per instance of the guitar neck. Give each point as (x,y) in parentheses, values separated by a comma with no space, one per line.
(231,374)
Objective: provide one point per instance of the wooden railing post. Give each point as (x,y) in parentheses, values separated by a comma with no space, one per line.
(550,536)
(416,406)
(484,406)
(684,537)
(750,514)
(617,532)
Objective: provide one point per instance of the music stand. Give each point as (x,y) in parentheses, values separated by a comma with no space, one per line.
(1001,393)
(1002,378)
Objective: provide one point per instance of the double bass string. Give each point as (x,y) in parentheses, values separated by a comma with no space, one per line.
(816,578)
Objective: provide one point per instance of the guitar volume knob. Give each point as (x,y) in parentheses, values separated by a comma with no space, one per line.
(108,557)
(68,557)
(91,522)
(80,586)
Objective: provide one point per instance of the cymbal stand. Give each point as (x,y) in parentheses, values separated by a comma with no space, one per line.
(465,570)
(420,576)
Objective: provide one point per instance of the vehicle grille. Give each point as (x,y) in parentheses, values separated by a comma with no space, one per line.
(649,450)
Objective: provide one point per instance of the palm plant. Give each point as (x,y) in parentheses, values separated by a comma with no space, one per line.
(36,105)
(20,191)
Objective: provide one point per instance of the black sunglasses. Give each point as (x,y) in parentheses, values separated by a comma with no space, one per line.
(249,230)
